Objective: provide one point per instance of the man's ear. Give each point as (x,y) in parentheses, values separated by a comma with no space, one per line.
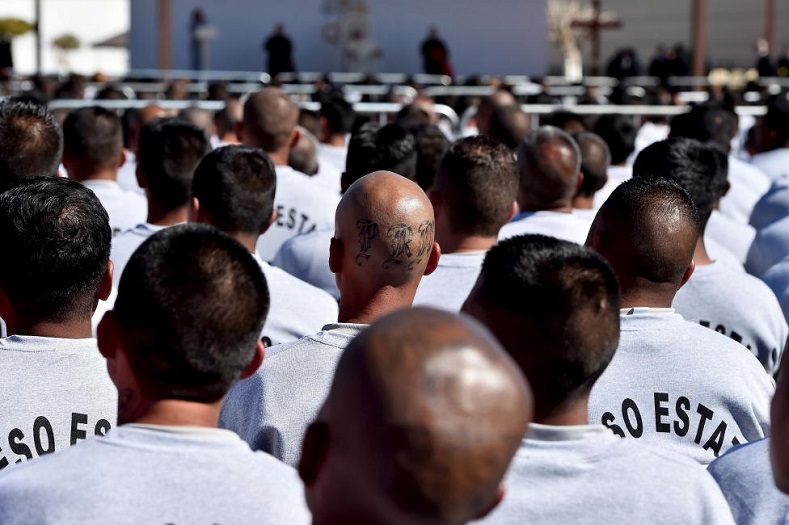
(514,209)
(194,210)
(335,255)
(108,335)
(432,260)
(688,272)
(105,285)
(314,450)
(257,360)
(240,131)
(294,138)
(271,221)
(579,183)
(122,159)
(500,491)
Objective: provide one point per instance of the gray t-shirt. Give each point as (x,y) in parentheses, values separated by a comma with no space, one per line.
(737,305)
(565,226)
(748,184)
(147,474)
(297,309)
(770,247)
(735,236)
(777,278)
(587,475)
(272,409)
(55,393)
(448,287)
(124,245)
(681,387)
(306,257)
(745,477)
(126,209)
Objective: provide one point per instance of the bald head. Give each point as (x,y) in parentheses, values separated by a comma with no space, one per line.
(549,163)
(647,230)
(303,156)
(383,235)
(269,121)
(424,415)
(595,160)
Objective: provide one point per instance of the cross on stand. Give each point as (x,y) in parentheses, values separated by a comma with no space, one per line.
(594,25)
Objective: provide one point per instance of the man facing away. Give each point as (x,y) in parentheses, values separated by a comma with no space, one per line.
(554,306)
(92,154)
(185,327)
(233,189)
(549,164)
(54,270)
(473,196)
(382,246)
(167,155)
(672,383)
(423,417)
(269,123)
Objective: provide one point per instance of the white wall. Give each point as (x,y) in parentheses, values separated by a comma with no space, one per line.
(90,20)
(508,39)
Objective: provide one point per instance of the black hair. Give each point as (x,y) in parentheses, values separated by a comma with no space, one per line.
(390,148)
(191,305)
(339,115)
(235,186)
(478,181)
(56,238)
(508,125)
(694,166)
(431,146)
(560,118)
(545,180)
(777,118)
(31,141)
(169,152)
(619,132)
(595,172)
(567,299)
(706,123)
(94,136)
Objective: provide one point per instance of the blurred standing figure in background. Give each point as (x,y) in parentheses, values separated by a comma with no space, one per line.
(280,52)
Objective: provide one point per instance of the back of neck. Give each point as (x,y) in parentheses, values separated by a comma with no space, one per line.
(364,308)
(177,413)
(66,330)
(458,243)
(160,216)
(583,203)
(700,255)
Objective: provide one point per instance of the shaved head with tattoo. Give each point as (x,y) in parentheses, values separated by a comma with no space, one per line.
(383,243)
(424,415)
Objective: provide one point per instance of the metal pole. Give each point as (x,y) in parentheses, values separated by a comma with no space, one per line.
(769,23)
(699,36)
(165,45)
(37,4)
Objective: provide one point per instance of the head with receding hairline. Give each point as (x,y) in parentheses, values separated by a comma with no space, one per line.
(424,415)
(383,240)
(647,231)
(554,306)
(269,123)
(549,164)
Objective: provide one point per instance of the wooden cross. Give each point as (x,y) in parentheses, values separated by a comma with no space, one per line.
(594,25)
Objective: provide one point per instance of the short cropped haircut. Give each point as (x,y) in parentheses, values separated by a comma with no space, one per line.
(619,132)
(539,176)
(169,152)
(706,123)
(339,115)
(191,305)
(431,146)
(635,206)
(508,125)
(691,164)
(564,292)
(31,141)
(478,182)
(390,148)
(56,245)
(561,119)
(595,174)
(235,186)
(94,136)
(777,118)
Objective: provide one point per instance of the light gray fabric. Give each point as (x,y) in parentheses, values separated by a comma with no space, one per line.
(53,393)
(125,208)
(774,164)
(770,246)
(125,243)
(140,475)
(748,184)
(448,287)
(272,409)
(297,309)
(302,207)
(306,257)
(681,387)
(565,226)
(745,477)
(773,205)
(735,236)
(777,278)
(616,176)
(587,475)
(737,305)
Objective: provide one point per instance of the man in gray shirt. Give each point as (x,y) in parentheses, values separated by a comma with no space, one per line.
(425,413)
(672,383)
(382,246)
(55,391)
(554,306)
(473,196)
(185,327)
